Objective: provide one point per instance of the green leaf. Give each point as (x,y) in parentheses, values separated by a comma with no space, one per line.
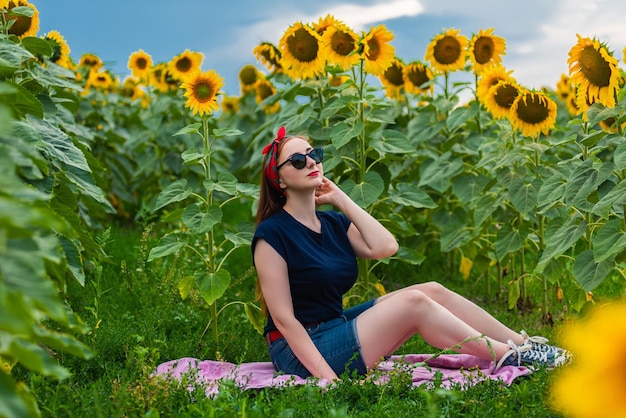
(226,183)
(459,117)
(438,172)
(212,285)
(194,128)
(37,46)
(619,156)
(561,240)
(342,133)
(24,101)
(190,155)
(617,196)
(366,193)
(169,244)
(588,273)
(523,194)
(409,255)
(393,142)
(508,241)
(408,194)
(222,132)
(608,241)
(185,285)
(175,192)
(255,316)
(467,187)
(17,400)
(201,222)
(32,356)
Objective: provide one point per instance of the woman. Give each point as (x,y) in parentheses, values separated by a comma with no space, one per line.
(306,260)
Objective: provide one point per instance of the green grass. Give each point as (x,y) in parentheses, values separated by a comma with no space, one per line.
(138,320)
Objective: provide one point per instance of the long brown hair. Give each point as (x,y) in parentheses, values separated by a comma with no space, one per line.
(270,200)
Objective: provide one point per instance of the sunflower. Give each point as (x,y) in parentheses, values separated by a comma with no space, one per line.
(100,80)
(269,55)
(140,63)
(302,52)
(326,22)
(564,87)
(594,71)
(61,51)
(571,104)
(341,46)
(264,89)
(131,88)
(532,113)
(415,75)
(447,51)
(500,98)
(22,24)
(201,91)
(161,78)
(485,48)
(378,54)
(184,64)
(491,75)
(594,384)
(91,61)
(337,80)
(248,76)
(230,104)
(393,80)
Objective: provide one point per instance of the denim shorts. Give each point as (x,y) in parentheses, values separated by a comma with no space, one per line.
(337,340)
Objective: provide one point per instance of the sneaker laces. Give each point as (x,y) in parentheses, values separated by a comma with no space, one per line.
(516,350)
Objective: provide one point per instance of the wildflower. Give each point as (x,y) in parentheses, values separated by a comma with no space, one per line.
(594,72)
(378,54)
(264,89)
(392,79)
(248,76)
(485,48)
(447,51)
(184,64)
(23,24)
(302,52)
(500,98)
(61,51)
(91,61)
(341,45)
(594,384)
(201,91)
(140,63)
(269,55)
(415,76)
(532,112)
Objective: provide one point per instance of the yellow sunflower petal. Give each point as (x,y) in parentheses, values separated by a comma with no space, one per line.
(341,46)
(201,90)
(22,26)
(302,52)
(532,113)
(415,75)
(378,54)
(485,48)
(140,63)
(447,51)
(184,64)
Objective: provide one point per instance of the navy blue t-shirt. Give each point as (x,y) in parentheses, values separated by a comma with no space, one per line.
(321,267)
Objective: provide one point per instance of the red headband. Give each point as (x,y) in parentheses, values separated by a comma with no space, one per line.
(271,170)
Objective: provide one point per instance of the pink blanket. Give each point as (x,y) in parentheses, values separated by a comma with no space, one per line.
(454,368)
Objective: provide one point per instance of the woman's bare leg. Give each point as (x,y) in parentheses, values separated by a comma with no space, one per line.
(398,316)
(466,310)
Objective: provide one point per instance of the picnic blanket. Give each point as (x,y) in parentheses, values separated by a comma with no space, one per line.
(446,369)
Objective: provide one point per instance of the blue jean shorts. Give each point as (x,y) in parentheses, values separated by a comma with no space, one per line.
(337,340)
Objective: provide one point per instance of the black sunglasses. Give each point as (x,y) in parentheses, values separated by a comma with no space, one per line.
(298,161)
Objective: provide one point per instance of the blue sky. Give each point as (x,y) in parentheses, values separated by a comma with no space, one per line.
(539,33)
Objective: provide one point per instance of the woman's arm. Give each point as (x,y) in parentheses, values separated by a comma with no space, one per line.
(368,237)
(272,271)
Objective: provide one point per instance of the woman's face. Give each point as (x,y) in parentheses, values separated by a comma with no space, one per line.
(309,177)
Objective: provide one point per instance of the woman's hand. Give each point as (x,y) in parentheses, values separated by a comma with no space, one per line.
(328,193)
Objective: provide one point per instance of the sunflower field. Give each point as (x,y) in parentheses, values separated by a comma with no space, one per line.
(522,190)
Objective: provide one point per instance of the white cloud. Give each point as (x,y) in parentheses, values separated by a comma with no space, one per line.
(358,17)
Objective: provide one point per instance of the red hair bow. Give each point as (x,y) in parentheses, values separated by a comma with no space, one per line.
(271,170)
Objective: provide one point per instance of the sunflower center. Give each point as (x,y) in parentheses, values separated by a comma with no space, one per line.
(393,74)
(418,76)
(594,67)
(142,63)
(184,64)
(342,43)
(248,76)
(532,110)
(447,50)
(56,51)
(374,49)
(21,25)
(203,92)
(505,95)
(303,46)
(264,91)
(483,49)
